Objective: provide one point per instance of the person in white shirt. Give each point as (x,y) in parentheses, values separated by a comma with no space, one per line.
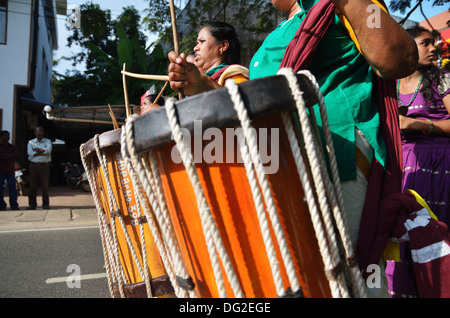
(39,154)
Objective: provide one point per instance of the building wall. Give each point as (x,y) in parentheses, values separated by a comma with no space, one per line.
(27,57)
(439,23)
(15,58)
(44,55)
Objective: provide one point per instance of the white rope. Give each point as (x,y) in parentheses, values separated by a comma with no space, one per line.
(101,224)
(159,218)
(141,225)
(325,187)
(310,200)
(311,149)
(253,165)
(111,257)
(111,242)
(335,192)
(113,205)
(211,232)
(126,141)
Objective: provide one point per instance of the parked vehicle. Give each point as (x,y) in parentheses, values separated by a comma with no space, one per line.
(75,176)
(20,180)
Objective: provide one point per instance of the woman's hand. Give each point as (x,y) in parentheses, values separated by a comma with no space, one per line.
(186,78)
(411,124)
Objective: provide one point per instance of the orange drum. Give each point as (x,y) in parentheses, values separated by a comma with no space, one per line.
(226,187)
(126,236)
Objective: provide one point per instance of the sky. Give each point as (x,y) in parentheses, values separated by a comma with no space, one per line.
(116,8)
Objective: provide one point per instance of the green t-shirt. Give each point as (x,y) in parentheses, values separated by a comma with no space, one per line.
(346,81)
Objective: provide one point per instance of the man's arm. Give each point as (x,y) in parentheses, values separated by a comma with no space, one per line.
(387,47)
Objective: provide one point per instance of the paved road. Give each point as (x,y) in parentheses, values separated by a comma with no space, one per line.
(40,248)
(39,263)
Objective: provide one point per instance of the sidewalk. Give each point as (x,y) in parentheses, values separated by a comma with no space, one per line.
(68,208)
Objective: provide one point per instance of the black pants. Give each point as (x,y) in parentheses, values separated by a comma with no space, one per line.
(39,176)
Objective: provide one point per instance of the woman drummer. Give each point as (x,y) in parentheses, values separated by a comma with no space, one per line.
(216,58)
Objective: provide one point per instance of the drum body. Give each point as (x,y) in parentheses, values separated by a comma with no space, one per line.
(116,198)
(227,190)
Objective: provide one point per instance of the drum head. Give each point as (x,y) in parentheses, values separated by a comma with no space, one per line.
(262,97)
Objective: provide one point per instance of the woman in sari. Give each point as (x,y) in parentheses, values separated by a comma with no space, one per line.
(216,58)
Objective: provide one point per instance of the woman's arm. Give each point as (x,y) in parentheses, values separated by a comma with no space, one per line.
(387,47)
(438,127)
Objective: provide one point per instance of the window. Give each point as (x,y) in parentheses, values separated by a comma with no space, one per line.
(3,20)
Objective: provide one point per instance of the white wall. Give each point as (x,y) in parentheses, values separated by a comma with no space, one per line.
(14,57)
(42,90)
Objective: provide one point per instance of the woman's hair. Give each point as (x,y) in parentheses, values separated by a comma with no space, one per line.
(223,31)
(152,97)
(431,74)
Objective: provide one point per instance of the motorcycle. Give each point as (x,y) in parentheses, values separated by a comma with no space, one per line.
(20,181)
(75,177)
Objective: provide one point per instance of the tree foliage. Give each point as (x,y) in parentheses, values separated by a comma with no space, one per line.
(403,5)
(410,6)
(107,45)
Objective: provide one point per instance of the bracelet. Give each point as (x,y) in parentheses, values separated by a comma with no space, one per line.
(431,127)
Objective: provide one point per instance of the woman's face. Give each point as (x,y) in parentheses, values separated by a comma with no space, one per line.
(207,51)
(427,50)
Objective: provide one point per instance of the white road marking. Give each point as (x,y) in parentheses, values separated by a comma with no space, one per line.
(50,229)
(55,280)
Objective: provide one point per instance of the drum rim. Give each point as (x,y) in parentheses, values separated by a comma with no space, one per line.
(107,139)
(262,97)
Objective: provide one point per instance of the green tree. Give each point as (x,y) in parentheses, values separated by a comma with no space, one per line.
(106,45)
(403,6)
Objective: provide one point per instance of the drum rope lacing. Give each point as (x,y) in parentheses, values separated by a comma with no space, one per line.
(326,190)
(114,206)
(112,262)
(182,278)
(163,234)
(141,227)
(213,239)
(256,175)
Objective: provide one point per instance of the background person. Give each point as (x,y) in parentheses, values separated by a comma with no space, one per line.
(216,59)
(424,107)
(424,101)
(8,155)
(39,152)
(149,105)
